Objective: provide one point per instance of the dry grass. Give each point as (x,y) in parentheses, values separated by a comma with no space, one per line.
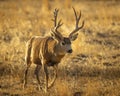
(92,70)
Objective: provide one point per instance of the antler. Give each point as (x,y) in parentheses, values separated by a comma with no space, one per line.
(56,25)
(77,28)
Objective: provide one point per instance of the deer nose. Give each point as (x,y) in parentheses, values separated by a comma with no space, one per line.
(69,51)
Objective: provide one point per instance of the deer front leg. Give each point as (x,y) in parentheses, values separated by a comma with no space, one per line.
(25,76)
(55,76)
(36,72)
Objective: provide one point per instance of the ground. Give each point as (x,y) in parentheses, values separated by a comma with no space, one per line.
(93,69)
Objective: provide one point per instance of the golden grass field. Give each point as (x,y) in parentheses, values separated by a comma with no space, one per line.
(93,69)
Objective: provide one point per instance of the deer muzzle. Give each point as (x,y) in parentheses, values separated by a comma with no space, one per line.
(69,51)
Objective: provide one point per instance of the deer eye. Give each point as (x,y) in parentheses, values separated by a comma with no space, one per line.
(63,43)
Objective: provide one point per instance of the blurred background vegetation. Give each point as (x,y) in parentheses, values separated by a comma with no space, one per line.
(93,68)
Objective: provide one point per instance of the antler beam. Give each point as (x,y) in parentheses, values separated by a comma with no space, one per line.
(77,18)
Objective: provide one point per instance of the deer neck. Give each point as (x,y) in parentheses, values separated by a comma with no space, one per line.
(58,50)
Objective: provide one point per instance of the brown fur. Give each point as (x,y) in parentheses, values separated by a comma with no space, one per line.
(43,48)
(42,52)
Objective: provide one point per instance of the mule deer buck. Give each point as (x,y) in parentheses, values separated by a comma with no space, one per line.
(48,51)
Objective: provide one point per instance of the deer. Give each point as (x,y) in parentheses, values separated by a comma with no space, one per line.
(48,51)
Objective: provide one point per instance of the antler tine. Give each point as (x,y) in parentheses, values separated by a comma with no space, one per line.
(56,25)
(59,24)
(79,15)
(77,18)
(55,16)
(83,22)
(75,13)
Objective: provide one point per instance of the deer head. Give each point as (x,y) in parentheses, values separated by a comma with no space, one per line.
(64,43)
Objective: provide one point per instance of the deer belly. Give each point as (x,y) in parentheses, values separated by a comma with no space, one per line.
(51,63)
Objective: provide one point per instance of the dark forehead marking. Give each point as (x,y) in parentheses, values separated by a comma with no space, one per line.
(67,40)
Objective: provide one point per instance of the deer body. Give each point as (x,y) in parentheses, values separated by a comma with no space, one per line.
(48,51)
(46,48)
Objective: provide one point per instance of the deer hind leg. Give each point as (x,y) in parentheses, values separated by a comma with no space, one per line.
(54,78)
(25,76)
(36,72)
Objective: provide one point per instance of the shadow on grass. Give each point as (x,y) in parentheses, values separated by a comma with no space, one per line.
(84,71)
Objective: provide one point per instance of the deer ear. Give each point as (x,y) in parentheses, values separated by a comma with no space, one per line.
(74,37)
